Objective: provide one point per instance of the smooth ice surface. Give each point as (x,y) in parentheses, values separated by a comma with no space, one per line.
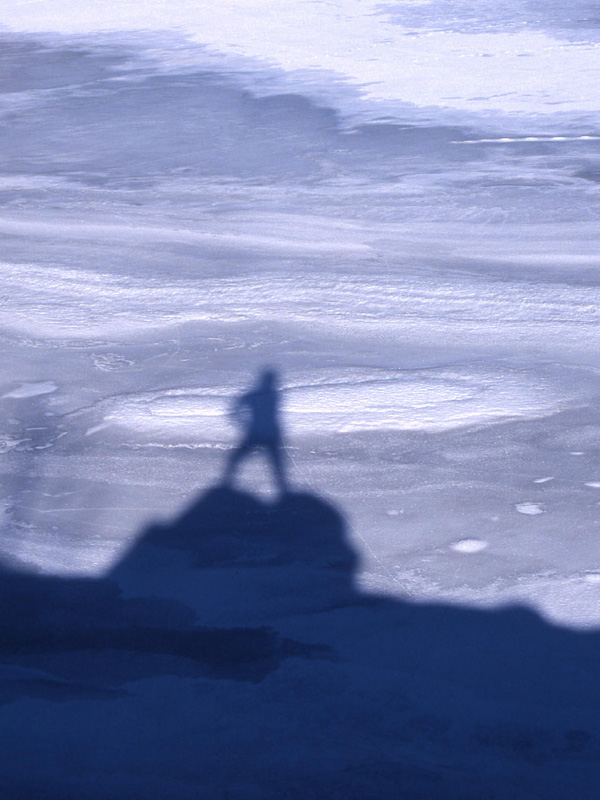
(396,206)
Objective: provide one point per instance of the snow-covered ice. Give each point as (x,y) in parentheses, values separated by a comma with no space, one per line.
(395,206)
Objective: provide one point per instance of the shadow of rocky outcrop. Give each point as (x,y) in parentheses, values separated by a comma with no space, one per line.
(230,655)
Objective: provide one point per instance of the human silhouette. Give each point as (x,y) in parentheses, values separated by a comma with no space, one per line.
(257,412)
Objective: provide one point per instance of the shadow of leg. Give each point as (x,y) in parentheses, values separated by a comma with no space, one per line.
(276,456)
(233,462)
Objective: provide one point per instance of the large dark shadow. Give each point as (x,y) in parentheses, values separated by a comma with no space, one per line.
(43,617)
(230,655)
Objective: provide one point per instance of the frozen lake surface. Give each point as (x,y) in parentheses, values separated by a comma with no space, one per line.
(395,206)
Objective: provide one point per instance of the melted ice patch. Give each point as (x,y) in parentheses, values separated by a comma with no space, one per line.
(31,390)
(335,401)
(110,362)
(8,443)
(531,509)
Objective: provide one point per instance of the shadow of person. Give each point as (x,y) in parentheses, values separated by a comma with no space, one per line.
(257,412)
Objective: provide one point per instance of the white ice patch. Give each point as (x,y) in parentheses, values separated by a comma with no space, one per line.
(331,401)
(31,390)
(544,480)
(531,509)
(96,429)
(519,139)
(469,546)
(593,484)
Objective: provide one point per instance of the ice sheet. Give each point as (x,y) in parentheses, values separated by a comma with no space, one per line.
(395,207)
